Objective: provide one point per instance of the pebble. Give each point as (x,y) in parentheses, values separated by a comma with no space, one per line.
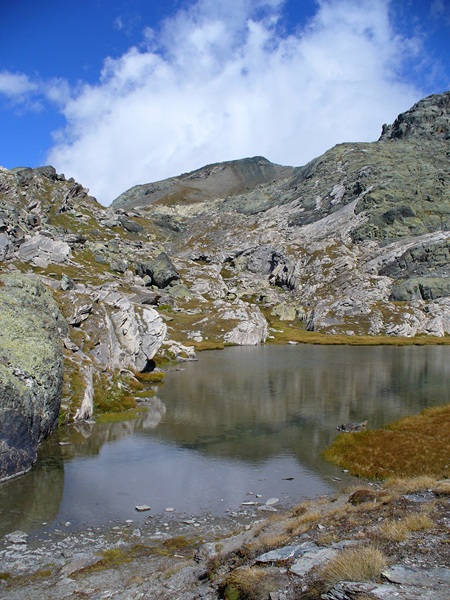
(169,509)
(142,507)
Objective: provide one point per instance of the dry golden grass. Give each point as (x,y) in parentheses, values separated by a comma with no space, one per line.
(300,509)
(264,543)
(399,530)
(354,564)
(413,446)
(150,377)
(303,523)
(251,583)
(398,486)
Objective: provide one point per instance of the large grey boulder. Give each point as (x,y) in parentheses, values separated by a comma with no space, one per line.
(163,271)
(31,370)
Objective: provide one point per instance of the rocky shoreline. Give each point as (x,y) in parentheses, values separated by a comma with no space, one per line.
(246,555)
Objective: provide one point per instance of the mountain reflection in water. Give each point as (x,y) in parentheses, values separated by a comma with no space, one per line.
(237,421)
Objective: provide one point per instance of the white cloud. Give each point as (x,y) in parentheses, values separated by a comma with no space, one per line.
(221,81)
(21,90)
(15,85)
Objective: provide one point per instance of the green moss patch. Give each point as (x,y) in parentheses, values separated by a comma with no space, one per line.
(112,395)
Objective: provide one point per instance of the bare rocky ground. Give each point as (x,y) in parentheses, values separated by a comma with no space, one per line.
(248,555)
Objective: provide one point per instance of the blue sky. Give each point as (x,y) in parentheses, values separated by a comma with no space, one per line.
(121,92)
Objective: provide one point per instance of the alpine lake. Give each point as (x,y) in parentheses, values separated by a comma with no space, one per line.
(238,426)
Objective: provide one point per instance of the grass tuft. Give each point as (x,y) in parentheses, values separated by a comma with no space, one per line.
(151,377)
(251,583)
(354,564)
(399,530)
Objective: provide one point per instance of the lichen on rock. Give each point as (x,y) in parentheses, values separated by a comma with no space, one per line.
(31,370)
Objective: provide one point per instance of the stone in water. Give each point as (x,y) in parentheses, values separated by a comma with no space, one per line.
(143,507)
(271,501)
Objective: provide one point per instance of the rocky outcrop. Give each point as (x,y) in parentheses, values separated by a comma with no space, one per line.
(31,370)
(428,118)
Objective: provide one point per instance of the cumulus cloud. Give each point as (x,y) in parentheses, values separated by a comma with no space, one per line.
(221,80)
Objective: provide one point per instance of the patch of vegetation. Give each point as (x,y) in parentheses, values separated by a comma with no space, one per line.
(398,530)
(145,394)
(151,377)
(117,417)
(208,345)
(414,445)
(251,583)
(73,391)
(200,316)
(286,331)
(112,395)
(19,580)
(178,546)
(354,564)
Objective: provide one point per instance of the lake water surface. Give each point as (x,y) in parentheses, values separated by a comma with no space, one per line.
(235,424)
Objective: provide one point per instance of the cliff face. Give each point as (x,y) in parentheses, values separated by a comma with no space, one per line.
(355,242)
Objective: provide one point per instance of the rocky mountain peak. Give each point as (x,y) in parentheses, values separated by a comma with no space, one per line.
(428,117)
(217,180)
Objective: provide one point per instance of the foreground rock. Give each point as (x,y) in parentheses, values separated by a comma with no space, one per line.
(31,370)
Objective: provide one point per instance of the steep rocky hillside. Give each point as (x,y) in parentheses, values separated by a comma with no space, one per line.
(355,243)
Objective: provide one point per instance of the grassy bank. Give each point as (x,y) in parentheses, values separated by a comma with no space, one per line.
(414,445)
